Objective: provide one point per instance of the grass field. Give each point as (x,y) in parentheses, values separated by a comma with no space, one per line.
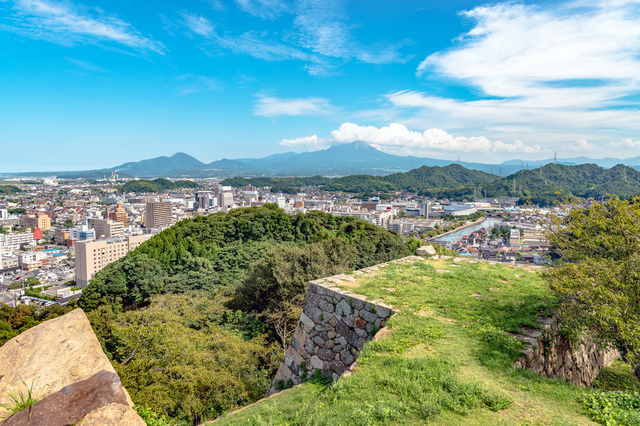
(446,359)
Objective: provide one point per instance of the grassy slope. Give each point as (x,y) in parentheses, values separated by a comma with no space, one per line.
(447,360)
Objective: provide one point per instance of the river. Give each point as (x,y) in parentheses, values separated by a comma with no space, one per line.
(456,235)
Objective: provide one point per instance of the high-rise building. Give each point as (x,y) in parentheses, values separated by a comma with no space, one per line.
(92,256)
(119,214)
(13,240)
(39,220)
(225,199)
(158,214)
(106,228)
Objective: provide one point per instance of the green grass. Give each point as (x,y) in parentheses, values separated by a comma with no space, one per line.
(447,361)
(21,399)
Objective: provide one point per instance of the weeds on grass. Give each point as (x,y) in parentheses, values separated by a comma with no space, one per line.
(154,419)
(613,407)
(22,399)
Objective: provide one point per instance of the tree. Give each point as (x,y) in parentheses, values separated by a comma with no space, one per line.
(597,279)
(68,223)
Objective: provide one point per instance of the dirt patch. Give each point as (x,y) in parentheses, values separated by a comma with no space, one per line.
(494,288)
(442,271)
(388,289)
(476,295)
(383,334)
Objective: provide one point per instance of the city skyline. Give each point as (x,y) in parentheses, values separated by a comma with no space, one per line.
(94,84)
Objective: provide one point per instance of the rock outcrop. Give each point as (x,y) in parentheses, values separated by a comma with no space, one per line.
(73,402)
(426,251)
(63,363)
(552,355)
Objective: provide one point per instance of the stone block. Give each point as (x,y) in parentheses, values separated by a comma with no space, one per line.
(341,340)
(426,251)
(307,321)
(113,414)
(361,333)
(337,367)
(360,323)
(360,343)
(333,321)
(383,311)
(331,334)
(343,308)
(342,329)
(326,355)
(346,357)
(73,402)
(350,321)
(337,348)
(369,316)
(352,338)
(318,341)
(316,363)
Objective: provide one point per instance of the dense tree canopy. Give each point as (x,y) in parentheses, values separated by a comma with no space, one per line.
(156,185)
(598,278)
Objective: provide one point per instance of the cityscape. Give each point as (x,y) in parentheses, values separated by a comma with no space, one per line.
(319,212)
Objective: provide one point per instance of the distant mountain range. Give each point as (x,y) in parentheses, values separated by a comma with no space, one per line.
(337,160)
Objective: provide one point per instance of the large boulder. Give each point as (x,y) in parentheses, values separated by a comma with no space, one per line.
(426,251)
(74,402)
(113,414)
(50,356)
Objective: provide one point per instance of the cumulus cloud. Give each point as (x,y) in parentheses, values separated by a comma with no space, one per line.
(579,145)
(269,106)
(625,144)
(65,24)
(398,135)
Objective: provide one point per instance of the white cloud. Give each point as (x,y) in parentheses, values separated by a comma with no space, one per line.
(625,144)
(313,142)
(198,24)
(268,106)
(398,135)
(552,73)
(322,27)
(579,145)
(65,24)
(265,9)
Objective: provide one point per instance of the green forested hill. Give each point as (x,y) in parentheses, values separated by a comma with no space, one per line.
(9,189)
(156,185)
(195,319)
(452,175)
(555,182)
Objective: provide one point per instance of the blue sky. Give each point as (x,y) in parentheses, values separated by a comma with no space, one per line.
(95,84)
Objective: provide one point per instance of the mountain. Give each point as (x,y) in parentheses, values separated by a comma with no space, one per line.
(160,165)
(337,160)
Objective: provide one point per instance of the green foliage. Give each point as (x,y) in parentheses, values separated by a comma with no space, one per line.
(14,321)
(598,278)
(9,189)
(270,182)
(22,399)
(618,376)
(154,419)
(156,185)
(174,358)
(31,281)
(613,407)
(17,211)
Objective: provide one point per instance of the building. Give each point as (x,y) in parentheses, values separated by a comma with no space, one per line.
(158,214)
(93,256)
(225,199)
(460,210)
(61,235)
(119,214)
(32,260)
(82,233)
(514,238)
(39,220)
(14,240)
(9,262)
(106,228)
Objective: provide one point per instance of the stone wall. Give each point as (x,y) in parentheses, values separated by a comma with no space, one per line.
(552,355)
(334,326)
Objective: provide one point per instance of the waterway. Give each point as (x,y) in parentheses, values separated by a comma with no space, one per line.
(456,235)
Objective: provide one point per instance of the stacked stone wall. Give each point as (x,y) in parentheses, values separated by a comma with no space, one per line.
(334,326)
(552,355)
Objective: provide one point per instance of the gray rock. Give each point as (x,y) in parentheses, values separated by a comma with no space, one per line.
(318,341)
(343,308)
(426,251)
(341,341)
(369,316)
(342,329)
(316,363)
(337,367)
(346,357)
(337,348)
(326,355)
(352,338)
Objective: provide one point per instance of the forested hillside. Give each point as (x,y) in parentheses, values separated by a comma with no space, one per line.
(195,320)
(156,185)
(539,186)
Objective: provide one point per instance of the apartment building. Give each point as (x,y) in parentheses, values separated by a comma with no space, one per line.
(158,214)
(41,221)
(13,240)
(92,256)
(106,228)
